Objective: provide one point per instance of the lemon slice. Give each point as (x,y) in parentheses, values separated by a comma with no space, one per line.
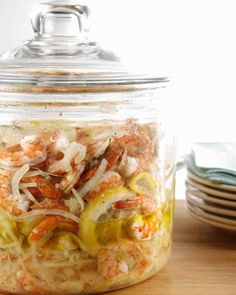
(143,184)
(93,232)
(108,231)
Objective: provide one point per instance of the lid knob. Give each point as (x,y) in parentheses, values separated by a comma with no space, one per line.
(60,18)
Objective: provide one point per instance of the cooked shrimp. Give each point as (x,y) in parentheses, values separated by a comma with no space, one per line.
(50,138)
(7,201)
(87,139)
(138,146)
(98,138)
(31,151)
(109,180)
(44,188)
(50,204)
(72,156)
(86,176)
(139,149)
(145,204)
(141,227)
(50,223)
(82,136)
(29,283)
(150,129)
(121,258)
(70,179)
(54,140)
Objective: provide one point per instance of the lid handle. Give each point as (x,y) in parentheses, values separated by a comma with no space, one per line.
(60,18)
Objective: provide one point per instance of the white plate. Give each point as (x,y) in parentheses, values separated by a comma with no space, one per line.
(211,191)
(213,217)
(213,223)
(210,207)
(218,186)
(195,192)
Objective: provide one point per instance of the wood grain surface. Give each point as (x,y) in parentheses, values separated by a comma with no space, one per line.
(203,262)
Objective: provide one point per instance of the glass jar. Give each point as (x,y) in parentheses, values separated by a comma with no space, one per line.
(87,165)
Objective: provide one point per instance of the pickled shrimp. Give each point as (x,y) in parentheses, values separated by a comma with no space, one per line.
(7,201)
(71,178)
(109,180)
(96,145)
(55,141)
(139,151)
(30,151)
(120,259)
(98,138)
(86,176)
(50,223)
(83,209)
(142,228)
(29,283)
(70,165)
(145,204)
(50,204)
(73,156)
(138,147)
(44,188)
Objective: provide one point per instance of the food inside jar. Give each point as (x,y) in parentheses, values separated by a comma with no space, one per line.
(84,208)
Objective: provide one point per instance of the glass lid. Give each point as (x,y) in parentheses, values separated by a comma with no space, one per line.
(62,54)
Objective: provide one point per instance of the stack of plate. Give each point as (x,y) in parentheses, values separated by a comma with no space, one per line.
(211,202)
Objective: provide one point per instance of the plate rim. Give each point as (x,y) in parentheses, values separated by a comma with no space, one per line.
(210,198)
(211,191)
(221,186)
(219,211)
(213,223)
(214,217)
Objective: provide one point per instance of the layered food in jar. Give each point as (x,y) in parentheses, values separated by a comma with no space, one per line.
(85,207)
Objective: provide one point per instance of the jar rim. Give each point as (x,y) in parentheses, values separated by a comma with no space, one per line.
(72,82)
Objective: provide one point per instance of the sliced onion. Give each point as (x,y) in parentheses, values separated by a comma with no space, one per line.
(73,206)
(79,199)
(61,143)
(8,229)
(74,150)
(29,184)
(30,196)
(45,212)
(32,174)
(40,172)
(6,168)
(80,157)
(101,147)
(7,246)
(131,166)
(26,144)
(41,158)
(93,181)
(17,178)
(46,237)
(34,255)
(73,180)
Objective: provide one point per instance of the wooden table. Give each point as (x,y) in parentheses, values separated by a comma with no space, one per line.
(203,262)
